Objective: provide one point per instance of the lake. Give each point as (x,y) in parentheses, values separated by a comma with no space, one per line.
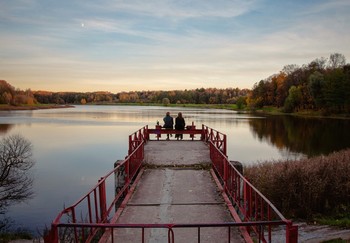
(74,147)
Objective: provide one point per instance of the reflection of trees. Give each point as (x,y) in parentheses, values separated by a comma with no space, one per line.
(4,128)
(15,161)
(309,136)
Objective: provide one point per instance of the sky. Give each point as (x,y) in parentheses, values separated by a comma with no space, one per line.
(135,45)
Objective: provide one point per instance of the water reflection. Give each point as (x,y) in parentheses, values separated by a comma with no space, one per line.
(74,147)
(309,136)
(5,128)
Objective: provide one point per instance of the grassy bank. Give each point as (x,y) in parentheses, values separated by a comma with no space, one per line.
(264,111)
(199,106)
(267,110)
(32,107)
(15,236)
(270,110)
(316,189)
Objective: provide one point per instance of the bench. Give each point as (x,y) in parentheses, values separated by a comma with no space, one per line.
(191,130)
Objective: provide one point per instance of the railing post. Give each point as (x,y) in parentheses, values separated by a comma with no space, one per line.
(291,233)
(146,133)
(127,174)
(224,161)
(52,235)
(225,145)
(193,127)
(202,134)
(158,131)
(130,144)
(102,196)
(247,202)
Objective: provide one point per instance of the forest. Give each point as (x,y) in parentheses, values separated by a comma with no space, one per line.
(10,95)
(322,85)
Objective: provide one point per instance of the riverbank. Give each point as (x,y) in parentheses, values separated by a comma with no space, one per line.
(32,107)
(263,111)
(269,110)
(199,106)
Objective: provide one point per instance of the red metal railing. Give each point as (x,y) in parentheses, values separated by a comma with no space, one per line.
(97,205)
(250,204)
(170,230)
(217,138)
(137,138)
(256,214)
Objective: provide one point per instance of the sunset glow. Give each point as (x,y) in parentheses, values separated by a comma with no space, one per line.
(163,45)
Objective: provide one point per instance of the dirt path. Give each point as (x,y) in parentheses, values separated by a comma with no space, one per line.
(319,233)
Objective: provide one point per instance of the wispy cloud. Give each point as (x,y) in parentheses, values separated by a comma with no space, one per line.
(181,8)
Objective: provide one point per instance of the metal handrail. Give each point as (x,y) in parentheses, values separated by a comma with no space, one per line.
(171,235)
(217,138)
(251,204)
(94,203)
(137,137)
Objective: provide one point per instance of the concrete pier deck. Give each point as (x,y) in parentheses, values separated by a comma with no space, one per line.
(174,189)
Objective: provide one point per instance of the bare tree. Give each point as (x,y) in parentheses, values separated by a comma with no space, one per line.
(289,69)
(15,161)
(337,60)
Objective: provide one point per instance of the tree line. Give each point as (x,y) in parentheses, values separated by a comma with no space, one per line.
(323,85)
(197,96)
(10,95)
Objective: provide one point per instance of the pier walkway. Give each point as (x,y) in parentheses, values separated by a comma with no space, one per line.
(176,187)
(173,191)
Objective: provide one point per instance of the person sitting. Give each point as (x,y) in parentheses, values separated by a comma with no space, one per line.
(179,125)
(168,122)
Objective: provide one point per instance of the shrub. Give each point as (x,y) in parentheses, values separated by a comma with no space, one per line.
(307,187)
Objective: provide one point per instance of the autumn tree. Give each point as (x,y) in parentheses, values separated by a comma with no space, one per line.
(7,92)
(165,101)
(258,98)
(315,85)
(293,100)
(241,102)
(334,90)
(323,84)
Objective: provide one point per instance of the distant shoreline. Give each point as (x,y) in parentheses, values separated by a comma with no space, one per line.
(32,107)
(265,111)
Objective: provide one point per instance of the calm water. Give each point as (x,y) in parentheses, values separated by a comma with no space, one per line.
(74,147)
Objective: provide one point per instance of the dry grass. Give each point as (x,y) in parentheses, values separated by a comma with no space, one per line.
(306,188)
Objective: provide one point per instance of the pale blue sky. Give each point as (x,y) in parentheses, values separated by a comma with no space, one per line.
(81,45)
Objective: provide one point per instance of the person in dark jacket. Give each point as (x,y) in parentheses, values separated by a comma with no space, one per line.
(179,125)
(168,122)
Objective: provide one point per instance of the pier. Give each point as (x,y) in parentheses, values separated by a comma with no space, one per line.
(175,188)
(173,191)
